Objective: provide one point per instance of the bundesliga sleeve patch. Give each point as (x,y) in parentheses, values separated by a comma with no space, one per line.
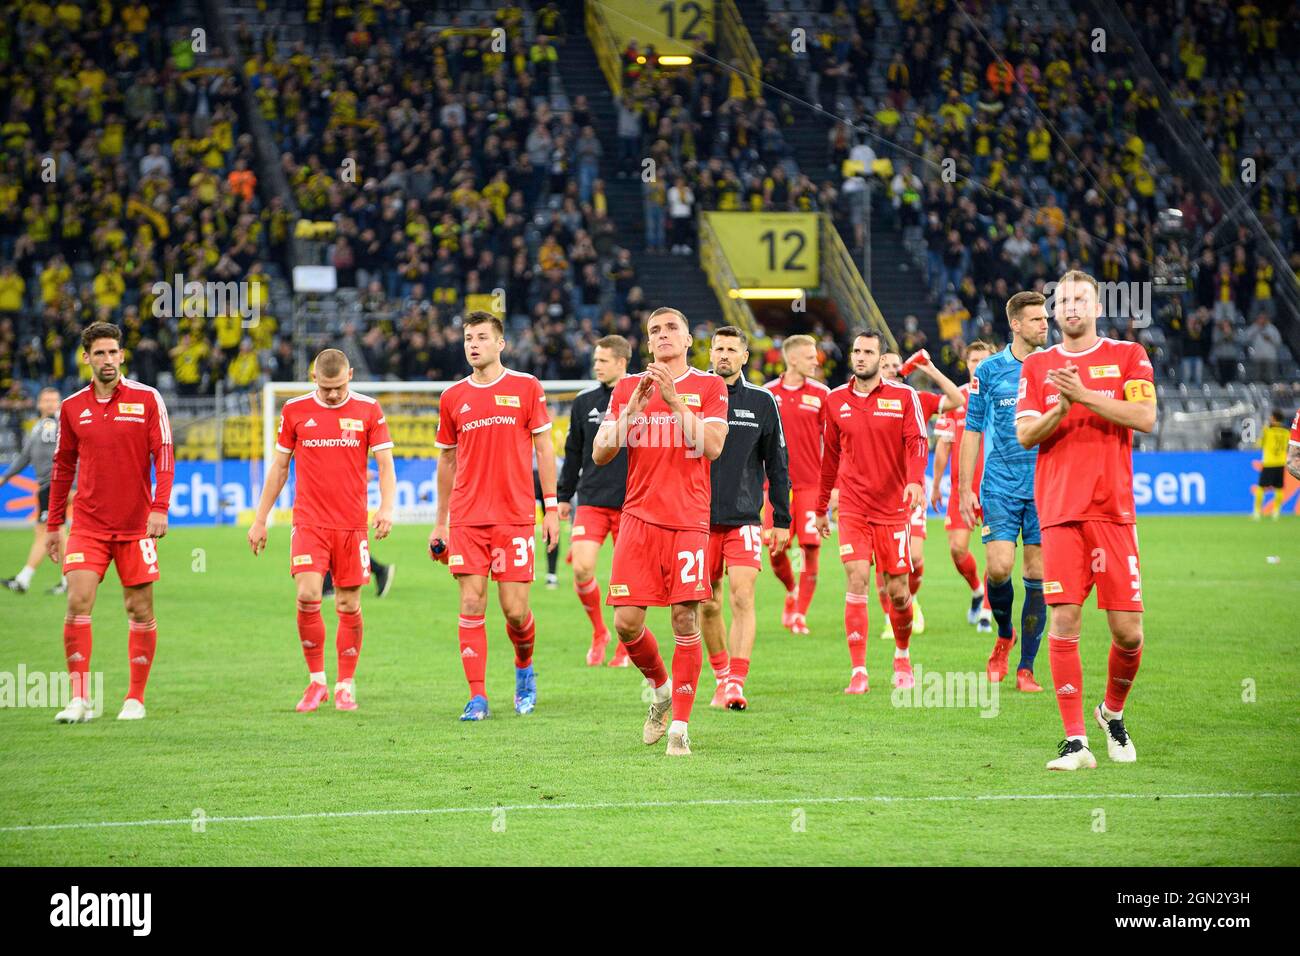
(975,384)
(130,408)
(351,425)
(301,559)
(1139,391)
(511,400)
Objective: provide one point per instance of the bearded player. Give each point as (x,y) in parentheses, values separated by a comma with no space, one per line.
(329,433)
(948,431)
(875,451)
(893,368)
(673,421)
(600,490)
(1080,403)
(490,425)
(753,456)
(801,398)
(109,434)
(1004,500)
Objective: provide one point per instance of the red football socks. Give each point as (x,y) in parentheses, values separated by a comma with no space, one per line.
(522,638)
(311,632)
(739,670)
(901,619)
(76,648)
(644,653)
(783,570)
(855,627)
(589,595)
(473,653)
(142,639)
(914,576)
(1120,671)
(808,579)
(969,570)
(721,665)
(348,642)
(1067,676)
(688,659)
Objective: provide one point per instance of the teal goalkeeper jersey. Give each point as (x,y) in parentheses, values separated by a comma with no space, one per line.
(991,411)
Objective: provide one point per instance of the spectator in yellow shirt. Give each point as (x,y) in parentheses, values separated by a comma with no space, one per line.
(109,286)
(245,368)
(11,289)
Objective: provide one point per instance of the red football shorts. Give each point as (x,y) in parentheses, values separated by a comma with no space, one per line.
(136,561)
(734,547)
(803,517)
(343,553)
(1080,554)
(592,524)
(953,521)
(889,545)
(656,567)
(917,522)
(503,550)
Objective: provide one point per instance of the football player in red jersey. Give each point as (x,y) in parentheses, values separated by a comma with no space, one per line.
(1293,448)
(673,421)
(893,368)
(109,432)
(801,399)
(948,432)
(490,425)
(1080,403)
(875,451)
(329,433)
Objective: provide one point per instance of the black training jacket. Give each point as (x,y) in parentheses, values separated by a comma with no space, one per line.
(755,448)
(602,487)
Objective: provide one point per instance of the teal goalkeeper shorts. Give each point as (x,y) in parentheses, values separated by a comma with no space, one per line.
(1007,518)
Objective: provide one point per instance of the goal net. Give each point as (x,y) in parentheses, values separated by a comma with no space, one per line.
(411,410)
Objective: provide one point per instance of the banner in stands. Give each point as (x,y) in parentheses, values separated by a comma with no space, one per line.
(209,493)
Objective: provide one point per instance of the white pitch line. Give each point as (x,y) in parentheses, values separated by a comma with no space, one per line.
(649,805)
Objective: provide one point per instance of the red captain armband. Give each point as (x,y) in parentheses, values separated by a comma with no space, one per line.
(1139,390)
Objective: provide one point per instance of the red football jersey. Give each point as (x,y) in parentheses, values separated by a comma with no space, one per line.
(330,445)
(107,446)
(803,417)
(930,402)
(950,427)
(492,427)
(1085,469)
(667,482)
(881,437)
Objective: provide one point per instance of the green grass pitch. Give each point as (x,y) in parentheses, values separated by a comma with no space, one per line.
(806,776)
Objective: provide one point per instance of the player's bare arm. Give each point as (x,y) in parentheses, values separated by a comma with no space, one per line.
(545,450)
(1138,414)
(276,476)
(952,396)
(1032,431)
(1293,461)
(968,454)
(942,451)
(387,493)
(446,480)
(613,435)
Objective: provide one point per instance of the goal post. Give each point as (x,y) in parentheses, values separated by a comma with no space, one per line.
(411,410)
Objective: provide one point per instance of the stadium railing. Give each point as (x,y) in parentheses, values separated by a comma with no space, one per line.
(722,280)
(735,45)
(608,56)
(841,278)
